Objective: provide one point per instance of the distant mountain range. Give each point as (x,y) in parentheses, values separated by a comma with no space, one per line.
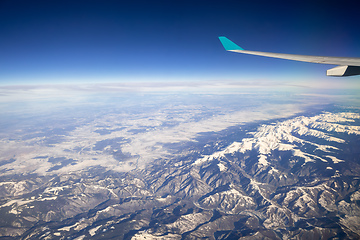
(296,178)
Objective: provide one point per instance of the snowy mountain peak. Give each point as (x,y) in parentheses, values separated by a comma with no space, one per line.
(290,134)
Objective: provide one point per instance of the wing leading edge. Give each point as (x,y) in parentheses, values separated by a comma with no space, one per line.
(348,66)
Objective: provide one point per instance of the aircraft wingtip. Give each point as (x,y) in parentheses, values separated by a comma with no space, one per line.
(228,44)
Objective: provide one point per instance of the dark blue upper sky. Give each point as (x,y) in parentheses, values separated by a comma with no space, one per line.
(100,41)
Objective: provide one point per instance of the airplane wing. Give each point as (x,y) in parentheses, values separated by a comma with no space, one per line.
(348,66)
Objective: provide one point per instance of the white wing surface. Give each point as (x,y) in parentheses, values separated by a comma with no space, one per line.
(348,66)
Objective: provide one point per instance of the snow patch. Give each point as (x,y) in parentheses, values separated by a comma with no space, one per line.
(262,160)
(148,235)
(92,231)
(222,167)
(334,159)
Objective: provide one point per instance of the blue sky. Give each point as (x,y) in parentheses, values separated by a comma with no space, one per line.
(112,41)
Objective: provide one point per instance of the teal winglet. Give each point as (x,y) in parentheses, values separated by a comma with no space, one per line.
(229,45)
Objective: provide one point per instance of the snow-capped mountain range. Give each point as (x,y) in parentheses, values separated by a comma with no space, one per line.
(287,135)
(294,178)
